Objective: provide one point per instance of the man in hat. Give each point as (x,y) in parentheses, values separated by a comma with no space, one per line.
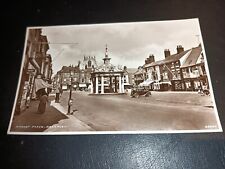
(41,91)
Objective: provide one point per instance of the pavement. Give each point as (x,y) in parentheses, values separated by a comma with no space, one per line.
(54,119)
(70,124)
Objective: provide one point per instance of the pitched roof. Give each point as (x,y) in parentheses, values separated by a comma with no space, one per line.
(192,57)
(139,71)
(168,59)
(68,69)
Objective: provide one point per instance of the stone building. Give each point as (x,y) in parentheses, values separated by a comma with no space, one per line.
(35,59)
(161,73)
(129,79)
(68,75)
(86,67)
(193,70)
(139,75)
(184,70)
(107,78)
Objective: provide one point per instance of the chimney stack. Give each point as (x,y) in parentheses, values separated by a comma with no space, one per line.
(166,53)
(179,49)
(150,59)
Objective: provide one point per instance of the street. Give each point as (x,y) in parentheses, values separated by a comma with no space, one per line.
(92,91)
(160,111)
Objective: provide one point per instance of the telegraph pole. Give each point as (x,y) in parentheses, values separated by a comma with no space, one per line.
(70,102)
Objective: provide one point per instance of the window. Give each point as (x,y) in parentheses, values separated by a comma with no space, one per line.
(172,65)
(89,63)
(124,79)
(177,64)
(165,75)
(202,58)
(178,75)
(203,69)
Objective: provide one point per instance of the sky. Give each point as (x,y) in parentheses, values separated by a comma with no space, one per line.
(129,44)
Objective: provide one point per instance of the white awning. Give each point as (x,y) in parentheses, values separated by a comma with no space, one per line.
(141,84)
(82,85)
(165,83)
(146,83)
(64,87)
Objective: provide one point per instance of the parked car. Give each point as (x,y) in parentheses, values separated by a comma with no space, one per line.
(140,91)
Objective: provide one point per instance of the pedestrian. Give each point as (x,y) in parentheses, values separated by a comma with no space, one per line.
(61,91)
(43,98)
(41,93)
(27,102)
(57,92)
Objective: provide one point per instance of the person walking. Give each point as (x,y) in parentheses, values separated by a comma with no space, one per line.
(57,92)
(41,92)
(61,91)
(27,103)
(43,98)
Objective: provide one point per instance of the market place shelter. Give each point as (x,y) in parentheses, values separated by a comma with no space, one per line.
(107,78)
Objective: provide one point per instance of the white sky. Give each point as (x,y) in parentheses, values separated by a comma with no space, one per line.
(128,43)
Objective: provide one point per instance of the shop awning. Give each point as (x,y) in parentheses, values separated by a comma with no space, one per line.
(82,85)
(146,83)
(165,83)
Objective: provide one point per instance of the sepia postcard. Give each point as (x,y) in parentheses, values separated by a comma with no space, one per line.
(116,78)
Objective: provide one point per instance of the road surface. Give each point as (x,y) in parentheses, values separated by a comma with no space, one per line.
(160,111)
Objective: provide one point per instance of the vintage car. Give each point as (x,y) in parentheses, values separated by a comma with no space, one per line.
(140,91)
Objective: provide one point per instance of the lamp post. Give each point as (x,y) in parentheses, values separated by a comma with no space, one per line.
(70,101)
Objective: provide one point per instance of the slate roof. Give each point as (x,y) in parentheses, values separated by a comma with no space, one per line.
(68,69)
(192,58)
(171,58)
(139,71)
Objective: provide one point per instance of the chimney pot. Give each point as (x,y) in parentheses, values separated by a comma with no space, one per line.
(150,59)
(166,53)
(180,49)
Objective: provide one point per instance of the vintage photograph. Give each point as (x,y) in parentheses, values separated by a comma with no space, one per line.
(134,77)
